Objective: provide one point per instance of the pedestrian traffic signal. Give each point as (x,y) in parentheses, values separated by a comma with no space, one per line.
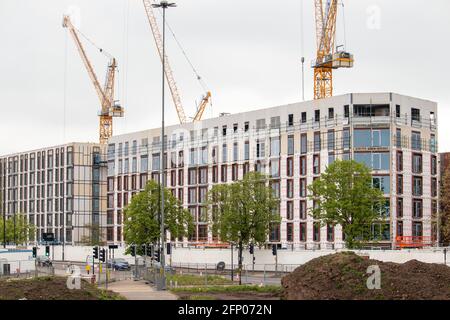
(34,252)
(47,251)
(102,255)
(95,252)
(158,255)
(252,248)
(169,248)
(274,249)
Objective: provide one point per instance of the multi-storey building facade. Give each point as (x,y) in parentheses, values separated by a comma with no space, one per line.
(394,135)
(60,189)
(445,162)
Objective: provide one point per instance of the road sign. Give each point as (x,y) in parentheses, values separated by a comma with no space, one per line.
(113,246)
(49,236)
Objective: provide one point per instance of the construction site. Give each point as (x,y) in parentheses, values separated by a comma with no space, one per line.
(78,190)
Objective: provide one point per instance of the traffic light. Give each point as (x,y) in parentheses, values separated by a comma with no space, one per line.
(158,255)
(274,249)
(252,249)
(133,250)
(95,252)
(47,251)
(169,248)
(102,255)
(151,251)
(34,252)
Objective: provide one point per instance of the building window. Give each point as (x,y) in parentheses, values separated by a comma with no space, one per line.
(274,232)
(416,141)
(330,113)
(316,164)
(417,163)
(434,187)
(289,232)
(346,111)
(302,230)
(247,150)
(234,172)
(400,228)
(417,186)
(246,126)
(215,174)
(399,161)
(290,145)
(303,117)
(304,143)
(235,152)
(316,115)
(260,149)
(303,187)
(290,210)
(290,167)
(202,195)
(397,111)
(417,208)
(192,176)
(331,140)
(417,229)
(399,207)
(399,184)
(180,177)
(245,168)
(303,210)
(275,147)
(223,170)
(303,164)
(433,165)
(192,195)
(316,231)
(275,189)
(203,175)
(330,233)
(415,114)
(382,183)
(290,120)
(290,188)
(275,168)
(317,142)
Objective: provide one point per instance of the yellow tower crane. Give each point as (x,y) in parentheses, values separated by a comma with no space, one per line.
(109,107)
(168,70)
(327,57)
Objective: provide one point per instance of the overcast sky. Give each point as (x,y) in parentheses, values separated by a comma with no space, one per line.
(247,51)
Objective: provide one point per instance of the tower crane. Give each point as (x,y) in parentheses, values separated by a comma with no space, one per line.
(327,57)
(109,107)
(168,70)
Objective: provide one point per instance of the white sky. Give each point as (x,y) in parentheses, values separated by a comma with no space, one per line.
(247,51)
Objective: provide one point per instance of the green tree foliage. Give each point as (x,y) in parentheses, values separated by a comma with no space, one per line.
(141,217)
(243,212)
(344,196)
(445,208)
(18,230)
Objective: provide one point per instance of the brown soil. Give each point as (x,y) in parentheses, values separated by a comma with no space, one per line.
(343,276)
(51,288)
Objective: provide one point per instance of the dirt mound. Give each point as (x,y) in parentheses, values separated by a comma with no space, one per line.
(343,276)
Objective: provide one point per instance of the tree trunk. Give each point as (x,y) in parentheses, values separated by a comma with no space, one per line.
(240,262)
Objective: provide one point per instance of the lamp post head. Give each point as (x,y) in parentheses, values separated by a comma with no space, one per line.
(164,4)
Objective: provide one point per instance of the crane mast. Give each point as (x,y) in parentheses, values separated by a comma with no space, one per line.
(327,58)
(168,70)
(109,108)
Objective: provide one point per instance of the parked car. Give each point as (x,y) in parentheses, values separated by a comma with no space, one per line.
(43,261)
(119,264)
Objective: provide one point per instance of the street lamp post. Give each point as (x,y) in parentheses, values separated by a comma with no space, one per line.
(164,4)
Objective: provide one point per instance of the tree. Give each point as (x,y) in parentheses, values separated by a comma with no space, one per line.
(18,230)
(445,208)
(243,212)
(344,195)
(141,217)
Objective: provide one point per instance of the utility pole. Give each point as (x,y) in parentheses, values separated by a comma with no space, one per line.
(164,4)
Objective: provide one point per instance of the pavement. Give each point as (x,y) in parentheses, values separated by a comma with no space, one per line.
(139,290)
